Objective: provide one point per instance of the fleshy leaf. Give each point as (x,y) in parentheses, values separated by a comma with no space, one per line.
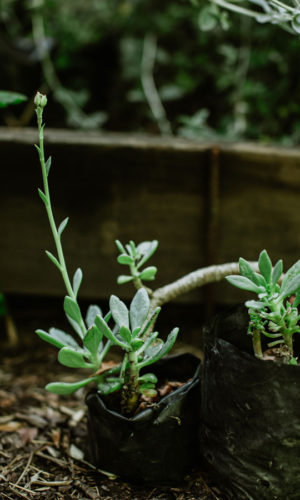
(53,259)
(148,378)
(119,311)
(265,265)
(106,331)
(290,287)
(120,247)
(62,226)
(72,309)
(71,358)
(165,348)
(58,338)
(92,339)
(123,278)
(243,283)
(139,308)
(277,272)
(247,271)
(125,259)
(77,279)
(43,197)
(67,388)
(125,333)
(148,274)
(146,249)
(91,314)
(291,273)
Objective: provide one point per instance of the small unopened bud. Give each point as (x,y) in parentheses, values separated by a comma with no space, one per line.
(40,100)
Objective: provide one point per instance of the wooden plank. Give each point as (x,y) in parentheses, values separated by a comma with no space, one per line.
(122,188)
(260,206)
(134,187)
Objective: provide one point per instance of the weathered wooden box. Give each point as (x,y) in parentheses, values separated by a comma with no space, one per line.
(205,203)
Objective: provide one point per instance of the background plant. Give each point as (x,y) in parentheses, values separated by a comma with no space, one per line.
(215,81)
(273,315)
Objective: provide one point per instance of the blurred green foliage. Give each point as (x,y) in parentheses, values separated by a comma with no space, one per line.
(222,79)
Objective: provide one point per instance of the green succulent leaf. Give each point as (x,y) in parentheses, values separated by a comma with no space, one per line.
(277,272)
(125,259)
(108,387)
(148,391)
(290,274)
(290,287)
(146,249)
(91,314)
(139,308)
(136,344)
(72,309)
(71,358)
(125,333)
(62,226)
(53,259)
(48,165)
(152,356)
(148,274)
(65,388)
(92,339)
(247,271)
(43,197)
(265,265)
(123,278)
(244,283)
(106,331)
(76,327)
(119,311)
(148,378)
(77,279)
(120,247)
(58,338)
(255,304)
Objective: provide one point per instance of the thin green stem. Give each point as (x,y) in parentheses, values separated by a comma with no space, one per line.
(48,206)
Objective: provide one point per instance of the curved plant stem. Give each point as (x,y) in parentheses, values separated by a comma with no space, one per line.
(193,280)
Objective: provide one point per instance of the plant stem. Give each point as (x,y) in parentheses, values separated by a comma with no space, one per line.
(130,394)
(256,341)
(48,206)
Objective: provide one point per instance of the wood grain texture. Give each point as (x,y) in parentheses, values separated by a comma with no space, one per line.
(133,187)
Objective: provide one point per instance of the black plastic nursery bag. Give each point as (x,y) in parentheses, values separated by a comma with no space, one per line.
(250,432)
(158,445)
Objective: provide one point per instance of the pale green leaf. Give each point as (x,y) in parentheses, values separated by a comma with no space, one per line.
(139,308)
(119,311)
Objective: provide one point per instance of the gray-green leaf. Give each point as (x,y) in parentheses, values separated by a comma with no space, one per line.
(265,265)
(119,311)
(72,309)
(77,279)
(58,338)
(92,339)
(139,308)
(62,226)
(71,358)
(91,314)
(68,388)
(123,278)
(244,283)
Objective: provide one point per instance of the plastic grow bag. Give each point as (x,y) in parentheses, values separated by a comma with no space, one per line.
(250,434)
(160,444)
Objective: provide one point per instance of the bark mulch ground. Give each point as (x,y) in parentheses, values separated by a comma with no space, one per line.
(42,439)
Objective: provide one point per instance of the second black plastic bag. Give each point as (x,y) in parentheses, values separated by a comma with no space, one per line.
(250,433)
(158,445)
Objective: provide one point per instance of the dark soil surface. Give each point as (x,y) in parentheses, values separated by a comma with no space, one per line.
(42,437)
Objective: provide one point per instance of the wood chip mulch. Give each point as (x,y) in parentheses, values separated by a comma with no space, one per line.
(42,440)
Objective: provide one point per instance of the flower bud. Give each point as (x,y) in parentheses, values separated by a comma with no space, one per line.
(40,100)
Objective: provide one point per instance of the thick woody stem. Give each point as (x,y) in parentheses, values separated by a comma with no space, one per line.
(194,280)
